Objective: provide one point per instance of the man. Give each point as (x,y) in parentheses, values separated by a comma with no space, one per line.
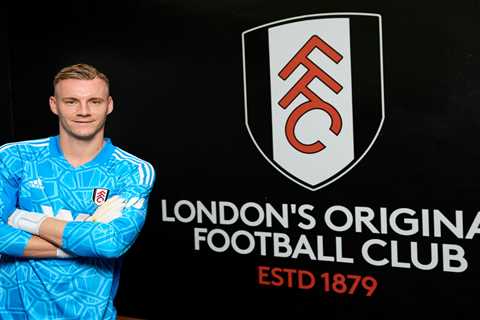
(70,207)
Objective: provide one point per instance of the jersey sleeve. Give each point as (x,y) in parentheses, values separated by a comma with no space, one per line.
(113,239)
(12,241)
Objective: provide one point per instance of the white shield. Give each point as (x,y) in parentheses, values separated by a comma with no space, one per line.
(100,195)
(311,102)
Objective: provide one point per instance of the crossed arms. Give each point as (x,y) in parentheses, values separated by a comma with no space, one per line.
(108,233)
(109,237)
(47,232)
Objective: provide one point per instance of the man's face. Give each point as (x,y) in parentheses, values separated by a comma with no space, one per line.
(82,107)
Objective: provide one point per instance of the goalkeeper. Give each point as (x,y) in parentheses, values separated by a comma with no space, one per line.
(70,206)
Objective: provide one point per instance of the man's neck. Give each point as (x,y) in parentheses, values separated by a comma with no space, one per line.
(78,152)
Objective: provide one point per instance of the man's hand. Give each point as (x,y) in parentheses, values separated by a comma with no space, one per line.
(26,221)
(110,210)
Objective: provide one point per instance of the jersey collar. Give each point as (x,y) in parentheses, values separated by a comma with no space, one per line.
(101,157)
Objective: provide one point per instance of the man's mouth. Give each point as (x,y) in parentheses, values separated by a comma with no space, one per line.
(83,121)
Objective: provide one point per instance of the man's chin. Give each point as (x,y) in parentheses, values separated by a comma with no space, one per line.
(84,136)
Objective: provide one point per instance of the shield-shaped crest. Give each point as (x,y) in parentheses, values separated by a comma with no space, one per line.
(100,195)
(313,88)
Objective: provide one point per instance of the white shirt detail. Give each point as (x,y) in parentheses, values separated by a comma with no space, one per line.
(36,184)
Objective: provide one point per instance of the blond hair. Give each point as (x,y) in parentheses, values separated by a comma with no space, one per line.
(79,71)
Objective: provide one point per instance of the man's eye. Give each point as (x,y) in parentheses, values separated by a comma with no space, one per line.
(70,102)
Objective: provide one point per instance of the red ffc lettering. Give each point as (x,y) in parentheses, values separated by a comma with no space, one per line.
(314,102)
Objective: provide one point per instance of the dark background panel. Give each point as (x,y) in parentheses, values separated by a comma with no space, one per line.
(177,81)
(6,123)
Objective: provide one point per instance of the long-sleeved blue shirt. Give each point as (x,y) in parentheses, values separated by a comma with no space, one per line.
(35,176)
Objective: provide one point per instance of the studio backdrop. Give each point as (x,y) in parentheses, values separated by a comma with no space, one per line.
(312,158)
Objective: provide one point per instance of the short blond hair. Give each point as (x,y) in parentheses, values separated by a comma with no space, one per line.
(80,71)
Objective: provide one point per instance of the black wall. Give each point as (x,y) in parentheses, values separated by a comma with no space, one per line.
(176,79)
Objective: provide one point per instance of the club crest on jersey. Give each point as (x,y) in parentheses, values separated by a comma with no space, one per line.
(100,195)
(313,90)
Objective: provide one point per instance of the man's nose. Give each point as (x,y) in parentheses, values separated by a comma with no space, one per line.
(83,109)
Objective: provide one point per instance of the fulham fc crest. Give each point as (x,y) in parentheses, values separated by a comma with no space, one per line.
(100,195)
(313,87)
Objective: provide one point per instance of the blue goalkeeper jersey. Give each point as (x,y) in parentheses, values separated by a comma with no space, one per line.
(35,176)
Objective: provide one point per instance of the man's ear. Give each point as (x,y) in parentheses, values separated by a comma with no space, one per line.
(53,105)
(110,105)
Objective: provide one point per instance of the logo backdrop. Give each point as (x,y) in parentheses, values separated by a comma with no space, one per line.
(308,108)
(313,159)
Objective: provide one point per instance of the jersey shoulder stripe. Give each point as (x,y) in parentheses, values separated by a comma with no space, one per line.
(25,150)
(145,169)
(33,143)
